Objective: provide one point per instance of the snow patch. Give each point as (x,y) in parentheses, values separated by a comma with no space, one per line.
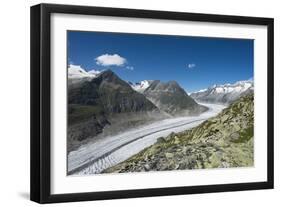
(77,72)
(141,86)
(224,93)
(238,87)
(202,90)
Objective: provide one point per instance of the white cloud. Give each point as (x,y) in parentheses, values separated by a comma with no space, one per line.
(191,65)
(130,67)
(110,60)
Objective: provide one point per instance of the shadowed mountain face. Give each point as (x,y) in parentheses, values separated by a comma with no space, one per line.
(171,98)
(97,102)
(111,93)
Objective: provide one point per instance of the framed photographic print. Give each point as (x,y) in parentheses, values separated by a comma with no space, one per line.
(132,103)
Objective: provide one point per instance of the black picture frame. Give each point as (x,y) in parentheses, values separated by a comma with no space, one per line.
(41,96)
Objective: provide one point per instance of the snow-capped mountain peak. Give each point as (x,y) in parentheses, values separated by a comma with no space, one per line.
(141,86)
(202,90)
(94,72)
(77,72)
(238,87)
(224,93)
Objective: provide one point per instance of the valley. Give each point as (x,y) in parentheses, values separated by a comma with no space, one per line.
(223,141)
(112,122)
(106,152)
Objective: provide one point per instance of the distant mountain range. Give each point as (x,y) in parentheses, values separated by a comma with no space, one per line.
(226,93)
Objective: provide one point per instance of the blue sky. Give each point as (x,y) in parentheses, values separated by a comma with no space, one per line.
(194,62)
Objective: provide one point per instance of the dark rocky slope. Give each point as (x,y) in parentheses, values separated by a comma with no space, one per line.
(105,100)
(172,99)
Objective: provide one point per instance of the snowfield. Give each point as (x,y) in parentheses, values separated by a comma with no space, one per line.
(141,86)
(77,72)
(103,153)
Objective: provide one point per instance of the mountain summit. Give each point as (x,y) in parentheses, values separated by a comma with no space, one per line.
(111,93)
(171,98)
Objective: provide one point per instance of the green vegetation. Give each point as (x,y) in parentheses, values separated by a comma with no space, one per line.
(245,135)
(220,142)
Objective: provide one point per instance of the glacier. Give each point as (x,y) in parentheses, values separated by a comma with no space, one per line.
(106,152)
